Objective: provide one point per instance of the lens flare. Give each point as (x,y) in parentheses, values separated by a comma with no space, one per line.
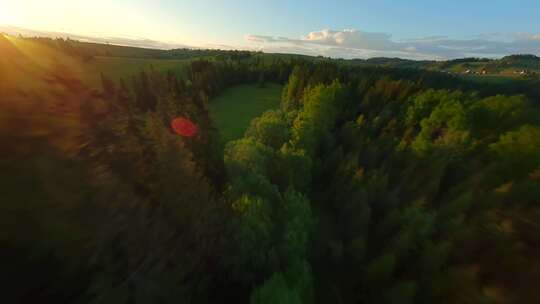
(184,127)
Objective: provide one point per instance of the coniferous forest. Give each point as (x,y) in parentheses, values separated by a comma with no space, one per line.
(367,184)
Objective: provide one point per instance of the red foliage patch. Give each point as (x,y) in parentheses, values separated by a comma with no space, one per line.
(184,127)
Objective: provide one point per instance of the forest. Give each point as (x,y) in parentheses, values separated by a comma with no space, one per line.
(366,184)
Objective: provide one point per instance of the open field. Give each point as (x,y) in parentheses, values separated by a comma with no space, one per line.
(494,79)
(236,107)
(35,59)
(117,68)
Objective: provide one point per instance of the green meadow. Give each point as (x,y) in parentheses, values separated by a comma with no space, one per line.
(495,79)
(236,107)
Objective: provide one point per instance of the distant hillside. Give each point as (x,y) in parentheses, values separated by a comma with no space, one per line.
(514,65)
(91,49)
(522,61)
(391,62)
(124,61)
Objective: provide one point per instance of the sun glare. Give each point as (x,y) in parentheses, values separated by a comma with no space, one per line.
(8,16)
(3,14)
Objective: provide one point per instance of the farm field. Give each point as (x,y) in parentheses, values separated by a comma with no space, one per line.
(35,59)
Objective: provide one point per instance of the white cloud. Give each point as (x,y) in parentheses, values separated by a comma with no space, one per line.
(350,38)
(351,43)
(527,36)
(410,49)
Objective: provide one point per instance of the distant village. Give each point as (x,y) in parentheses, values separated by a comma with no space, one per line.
(486,72)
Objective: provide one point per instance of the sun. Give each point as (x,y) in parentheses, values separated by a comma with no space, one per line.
(11,12)
(5,17)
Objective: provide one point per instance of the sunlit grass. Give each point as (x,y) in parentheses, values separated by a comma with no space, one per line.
(26,61)
(237,106)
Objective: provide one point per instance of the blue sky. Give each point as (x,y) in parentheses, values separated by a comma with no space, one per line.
(343,28)
(403,19)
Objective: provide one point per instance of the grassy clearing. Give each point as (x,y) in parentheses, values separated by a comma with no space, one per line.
(236,107)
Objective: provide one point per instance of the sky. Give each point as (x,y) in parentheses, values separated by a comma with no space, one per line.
(415,29)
